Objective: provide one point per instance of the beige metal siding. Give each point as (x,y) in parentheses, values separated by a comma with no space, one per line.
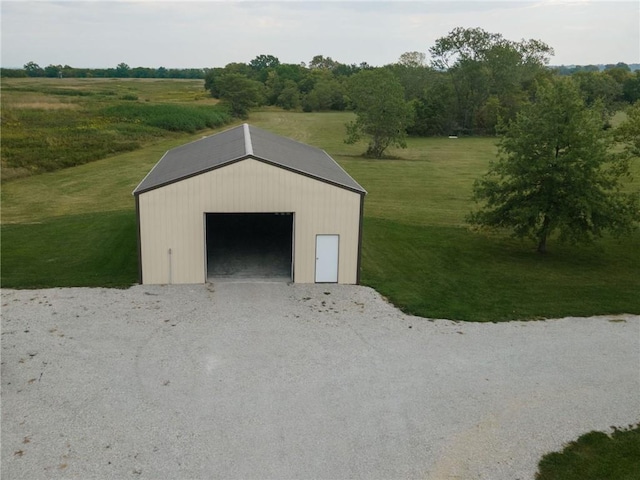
(172,217)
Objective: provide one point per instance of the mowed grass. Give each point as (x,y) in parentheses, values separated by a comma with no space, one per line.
(417,250)
(419,253)
(89,250)
(454,273)
(595,456)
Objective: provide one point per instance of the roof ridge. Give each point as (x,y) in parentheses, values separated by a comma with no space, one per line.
(248,145)
(246,141)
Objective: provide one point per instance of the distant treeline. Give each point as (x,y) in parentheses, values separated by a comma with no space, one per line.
(475,81)
(571,69)
(123,70)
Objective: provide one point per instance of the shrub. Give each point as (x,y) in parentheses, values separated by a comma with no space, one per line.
(175,118)
(46,140)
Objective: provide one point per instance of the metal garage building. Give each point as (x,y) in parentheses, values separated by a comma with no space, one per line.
(248,203)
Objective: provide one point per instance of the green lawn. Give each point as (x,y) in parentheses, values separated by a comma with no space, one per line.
(451,272)
(596,456)
(417,250)
(419,253)
(92,250)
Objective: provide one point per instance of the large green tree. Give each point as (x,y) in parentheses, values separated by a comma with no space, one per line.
(485,67)
(328,92)
(382,114)
(33,70)
(631,88)
(322,62)
(414,75)
(289,97)
(628,133)
(557,171)
(262,65)
(435,110)
(239,93)
(53,71)
(122,70)
(599,87)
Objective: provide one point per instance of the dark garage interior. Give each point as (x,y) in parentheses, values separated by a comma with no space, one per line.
(249,245)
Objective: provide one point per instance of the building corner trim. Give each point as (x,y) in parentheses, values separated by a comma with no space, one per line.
(360,231)
(139,235)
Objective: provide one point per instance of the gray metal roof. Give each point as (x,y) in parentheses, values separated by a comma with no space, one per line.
(239,143)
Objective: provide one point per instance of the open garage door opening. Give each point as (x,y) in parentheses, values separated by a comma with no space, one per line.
(249,245)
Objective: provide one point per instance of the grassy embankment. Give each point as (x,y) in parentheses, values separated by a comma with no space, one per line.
(417,250)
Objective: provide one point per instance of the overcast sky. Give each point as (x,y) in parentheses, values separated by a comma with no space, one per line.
(214,33)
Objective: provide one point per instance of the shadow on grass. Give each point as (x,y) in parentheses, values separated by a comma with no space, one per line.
(449,272)
(91,250)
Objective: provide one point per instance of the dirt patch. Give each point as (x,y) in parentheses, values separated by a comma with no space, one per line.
(46,106)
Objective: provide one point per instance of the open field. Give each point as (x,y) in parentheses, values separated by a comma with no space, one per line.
(29,90)
(417,250)
(48,124)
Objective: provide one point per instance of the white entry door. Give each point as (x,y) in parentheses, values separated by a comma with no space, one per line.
(327,258)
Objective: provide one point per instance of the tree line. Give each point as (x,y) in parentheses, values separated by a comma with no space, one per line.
(475,79)
(122,70)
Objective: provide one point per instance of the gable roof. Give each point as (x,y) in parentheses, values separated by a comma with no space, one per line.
(239,143)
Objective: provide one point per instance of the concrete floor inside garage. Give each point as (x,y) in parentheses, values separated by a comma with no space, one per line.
(249,246)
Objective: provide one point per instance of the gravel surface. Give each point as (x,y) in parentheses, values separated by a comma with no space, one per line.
(268,380)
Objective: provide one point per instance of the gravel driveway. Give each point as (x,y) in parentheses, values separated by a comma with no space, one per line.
(267,380)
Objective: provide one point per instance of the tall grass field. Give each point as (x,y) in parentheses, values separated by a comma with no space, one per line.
(76,226)
(48,124)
